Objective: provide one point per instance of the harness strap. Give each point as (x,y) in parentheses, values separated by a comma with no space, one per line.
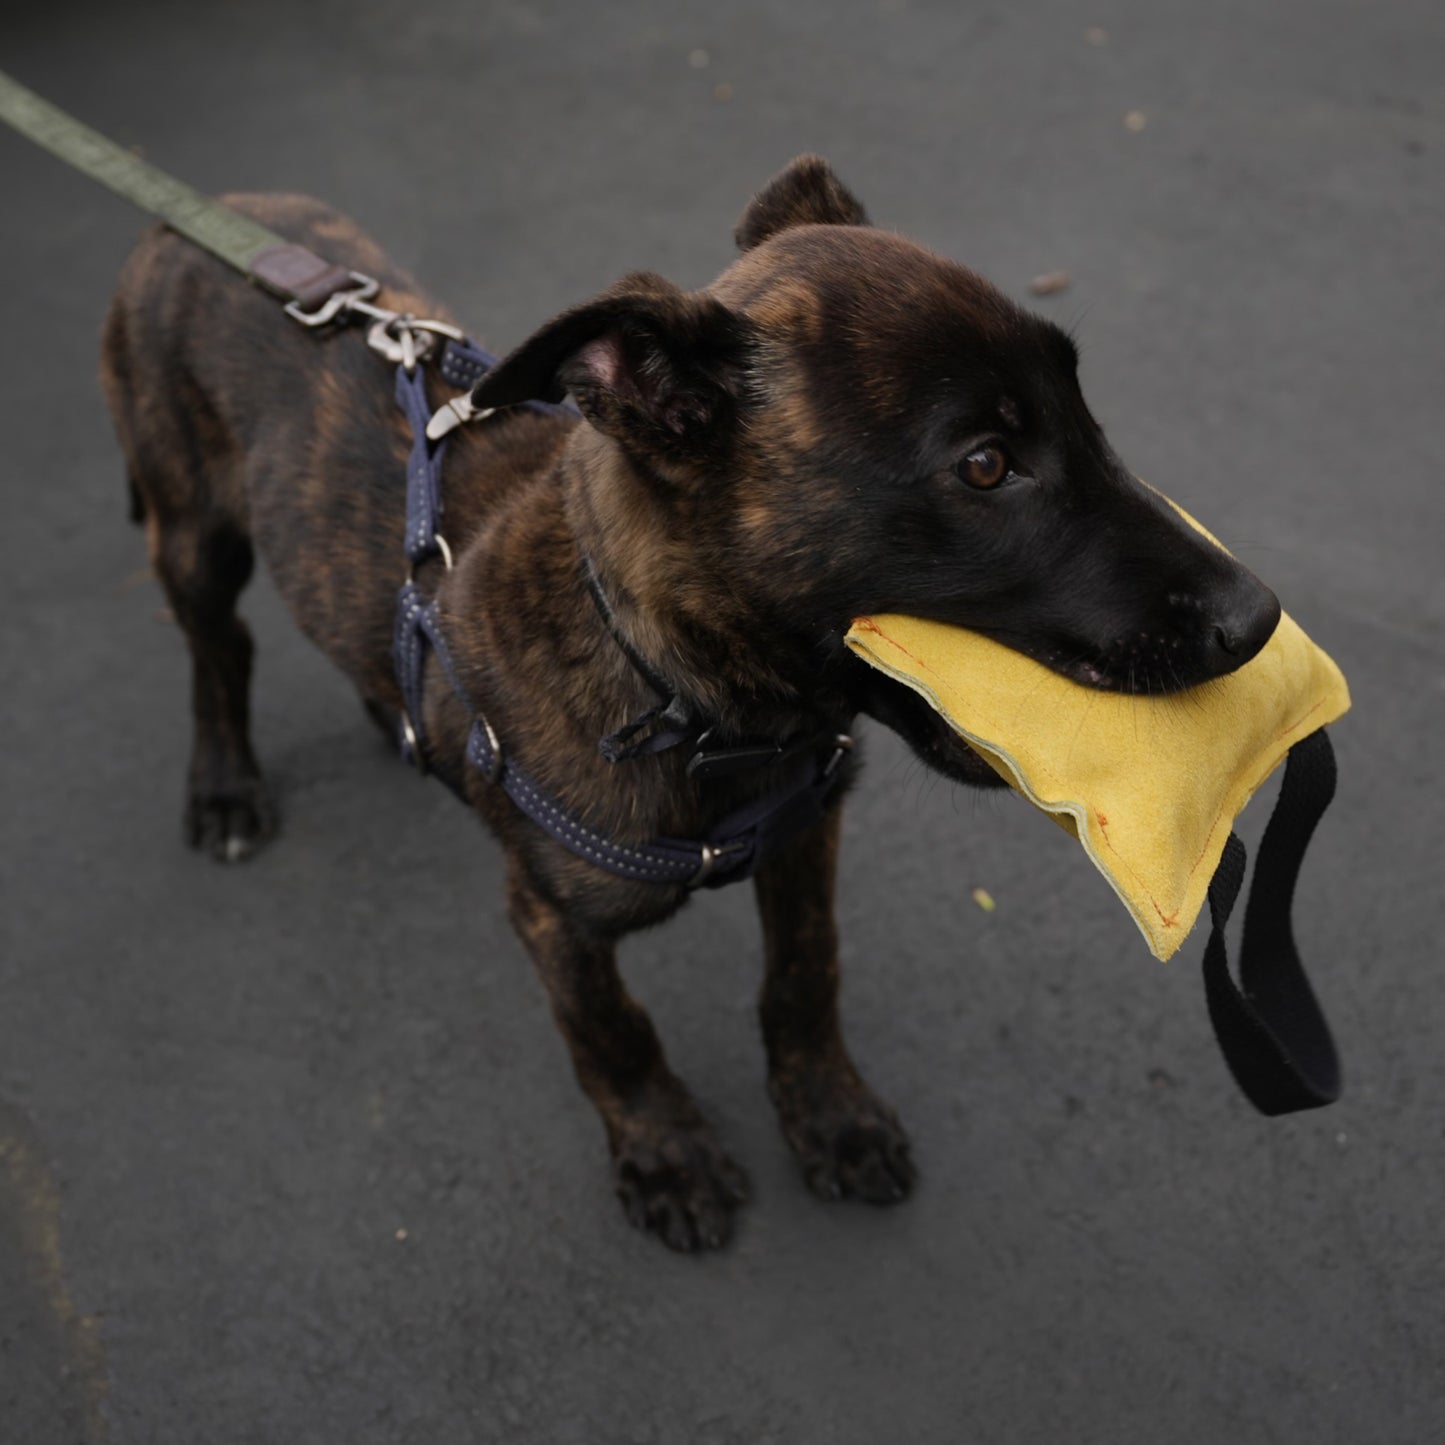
(672,722)
(418,627)
(659,729)
(732,850)
(463,363)
(423,469)
(1270,1027)
(651,675)
(459,359)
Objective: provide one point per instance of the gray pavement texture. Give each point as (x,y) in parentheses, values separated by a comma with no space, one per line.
(292,1152)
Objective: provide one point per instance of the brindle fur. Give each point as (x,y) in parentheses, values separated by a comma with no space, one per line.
(760,462)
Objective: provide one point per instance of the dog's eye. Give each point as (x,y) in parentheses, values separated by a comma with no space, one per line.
(984,467)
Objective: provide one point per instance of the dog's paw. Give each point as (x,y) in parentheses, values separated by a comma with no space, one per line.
(232,824)
(679,1184)
(848,1141)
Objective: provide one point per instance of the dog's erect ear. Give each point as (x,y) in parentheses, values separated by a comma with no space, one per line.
(648,363)
(805,193)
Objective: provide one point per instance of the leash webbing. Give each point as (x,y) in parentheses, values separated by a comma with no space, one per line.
(283,268)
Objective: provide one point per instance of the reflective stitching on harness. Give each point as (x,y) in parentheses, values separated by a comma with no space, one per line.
(648,864)
(576,832)
(461,371)
(604,850)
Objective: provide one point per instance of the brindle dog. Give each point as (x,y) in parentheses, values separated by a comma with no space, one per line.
(842,424)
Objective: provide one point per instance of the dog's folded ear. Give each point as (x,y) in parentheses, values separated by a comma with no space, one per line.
(804,193)
(649,364)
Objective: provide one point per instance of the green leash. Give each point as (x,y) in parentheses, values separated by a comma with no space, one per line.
(289,271)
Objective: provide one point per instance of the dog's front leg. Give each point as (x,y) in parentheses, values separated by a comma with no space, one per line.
(848,1141)
(668,1168)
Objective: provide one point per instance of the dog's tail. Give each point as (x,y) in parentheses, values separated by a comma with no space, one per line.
(115,383)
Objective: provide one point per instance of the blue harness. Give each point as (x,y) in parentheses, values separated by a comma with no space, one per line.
(812,773)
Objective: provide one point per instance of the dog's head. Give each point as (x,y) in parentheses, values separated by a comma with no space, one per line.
(845,423)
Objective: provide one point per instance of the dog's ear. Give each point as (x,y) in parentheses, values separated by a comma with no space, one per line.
(805,193)
(649,364)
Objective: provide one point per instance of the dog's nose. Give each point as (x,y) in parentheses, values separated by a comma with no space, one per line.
(1240,626)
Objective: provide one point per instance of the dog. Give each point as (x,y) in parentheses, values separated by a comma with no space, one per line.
(842,424)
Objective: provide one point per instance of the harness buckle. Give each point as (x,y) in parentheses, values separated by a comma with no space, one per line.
(338,302)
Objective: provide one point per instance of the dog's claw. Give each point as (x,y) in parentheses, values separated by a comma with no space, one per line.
(232,825)
(682,1188)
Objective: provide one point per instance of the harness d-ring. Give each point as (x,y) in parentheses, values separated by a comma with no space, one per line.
(441,546)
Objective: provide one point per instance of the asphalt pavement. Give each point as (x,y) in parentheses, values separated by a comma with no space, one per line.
(292,1152)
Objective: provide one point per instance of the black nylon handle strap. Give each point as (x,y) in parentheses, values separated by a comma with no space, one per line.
(1270,1027)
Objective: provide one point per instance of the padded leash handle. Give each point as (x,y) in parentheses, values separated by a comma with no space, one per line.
(1270,1027)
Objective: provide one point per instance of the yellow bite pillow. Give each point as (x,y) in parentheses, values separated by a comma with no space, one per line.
(1151,786)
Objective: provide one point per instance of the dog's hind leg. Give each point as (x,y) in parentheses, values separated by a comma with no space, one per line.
(186,485)
(668,1169)
(203,565)
(848,1141)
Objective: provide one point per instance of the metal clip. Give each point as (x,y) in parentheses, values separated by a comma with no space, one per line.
(399,339)
(454,413)
(338,302)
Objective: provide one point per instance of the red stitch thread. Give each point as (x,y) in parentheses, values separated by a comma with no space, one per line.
(867,624)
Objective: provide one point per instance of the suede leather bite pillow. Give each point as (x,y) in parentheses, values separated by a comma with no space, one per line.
(1150,786)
